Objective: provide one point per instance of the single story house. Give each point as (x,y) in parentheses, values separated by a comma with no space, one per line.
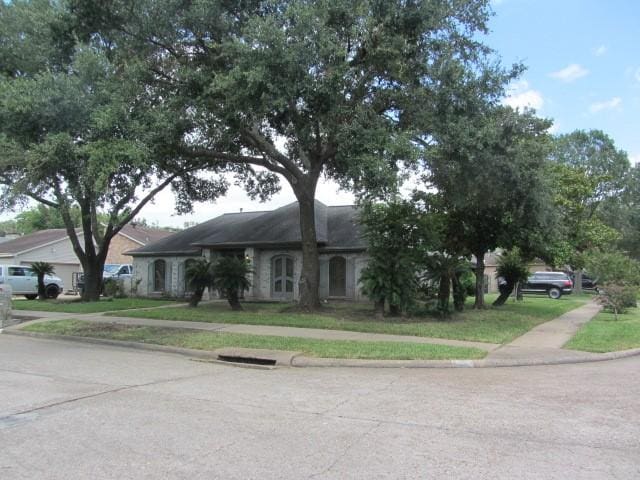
(271,241)
(130,237)
(53,246)
(491,267)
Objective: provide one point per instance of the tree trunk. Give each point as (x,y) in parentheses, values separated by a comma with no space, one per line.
(479,271)
(519,294)
(394,310)
(93,268)
(444,292)
(459,295)
(42,295)
(234,301)
(196,297)
(577,282)
(310,275)
(505,292)
(379,308)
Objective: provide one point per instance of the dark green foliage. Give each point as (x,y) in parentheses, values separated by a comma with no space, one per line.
(588,176)
(398,235)
(82,131)
(303,89)
(199,275)
(41,269)
(487,167)
(447,271)
(230,275)
(512,268)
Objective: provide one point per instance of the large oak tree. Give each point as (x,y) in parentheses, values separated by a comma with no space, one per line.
(79,131)
(301,88)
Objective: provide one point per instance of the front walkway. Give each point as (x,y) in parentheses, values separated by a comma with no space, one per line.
(547,339)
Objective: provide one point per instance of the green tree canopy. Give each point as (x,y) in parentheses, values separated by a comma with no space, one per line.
(488,174)
(302,88)
(80,132)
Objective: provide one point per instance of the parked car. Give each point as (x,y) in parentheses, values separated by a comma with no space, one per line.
(588,283)
(24,281)
(553,284)
(111,270)
(117,270)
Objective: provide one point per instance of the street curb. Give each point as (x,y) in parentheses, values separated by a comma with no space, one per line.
(302,362)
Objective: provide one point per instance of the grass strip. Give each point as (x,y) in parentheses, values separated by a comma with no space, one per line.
(76,306)
(211,340)
(494,325)
(606,334)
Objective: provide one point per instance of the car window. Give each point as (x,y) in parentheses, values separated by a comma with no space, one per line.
(28,272)
(16,271)
(123,270)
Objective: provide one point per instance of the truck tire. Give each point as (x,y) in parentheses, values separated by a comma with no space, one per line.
(52,291)
(554,293)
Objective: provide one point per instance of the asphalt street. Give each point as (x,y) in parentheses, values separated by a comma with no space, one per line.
(77,411)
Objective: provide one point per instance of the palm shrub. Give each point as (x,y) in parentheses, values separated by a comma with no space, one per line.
(513,268)
(447,271)
(230,275)
(199,274)
(41,269)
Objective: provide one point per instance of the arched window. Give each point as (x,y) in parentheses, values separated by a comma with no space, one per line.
(338,277)
(282,276)
(159,275)
(188,288)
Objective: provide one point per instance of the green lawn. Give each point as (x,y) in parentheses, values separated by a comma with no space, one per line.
(605,334)
(211,340)
(495,325)
(76,306)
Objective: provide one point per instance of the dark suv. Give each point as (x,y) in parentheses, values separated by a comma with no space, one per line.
(554,284)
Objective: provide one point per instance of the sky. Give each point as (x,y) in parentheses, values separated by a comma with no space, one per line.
(583,72)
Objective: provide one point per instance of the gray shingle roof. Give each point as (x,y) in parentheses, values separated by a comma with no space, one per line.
(144,235)
(336,228)
(32,240)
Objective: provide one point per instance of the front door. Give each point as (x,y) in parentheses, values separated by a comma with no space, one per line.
(282,277)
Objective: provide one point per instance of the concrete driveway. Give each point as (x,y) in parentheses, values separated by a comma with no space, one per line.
(70,410)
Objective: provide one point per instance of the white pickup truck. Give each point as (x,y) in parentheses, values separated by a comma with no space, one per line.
(24,281)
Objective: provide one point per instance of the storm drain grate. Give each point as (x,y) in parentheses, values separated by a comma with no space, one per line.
(248,360)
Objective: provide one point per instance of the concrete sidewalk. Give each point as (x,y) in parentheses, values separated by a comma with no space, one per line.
(540,346)
(547,339)
(268,330)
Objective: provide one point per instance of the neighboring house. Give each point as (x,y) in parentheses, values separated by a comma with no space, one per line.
(132,236)
(54,246)
(271,242)
(491,265)
(51,246)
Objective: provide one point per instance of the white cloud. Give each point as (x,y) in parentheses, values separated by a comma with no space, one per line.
(570,73)
(636,75)
(520,95)
(615,102)
(600,51)
(635,159)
